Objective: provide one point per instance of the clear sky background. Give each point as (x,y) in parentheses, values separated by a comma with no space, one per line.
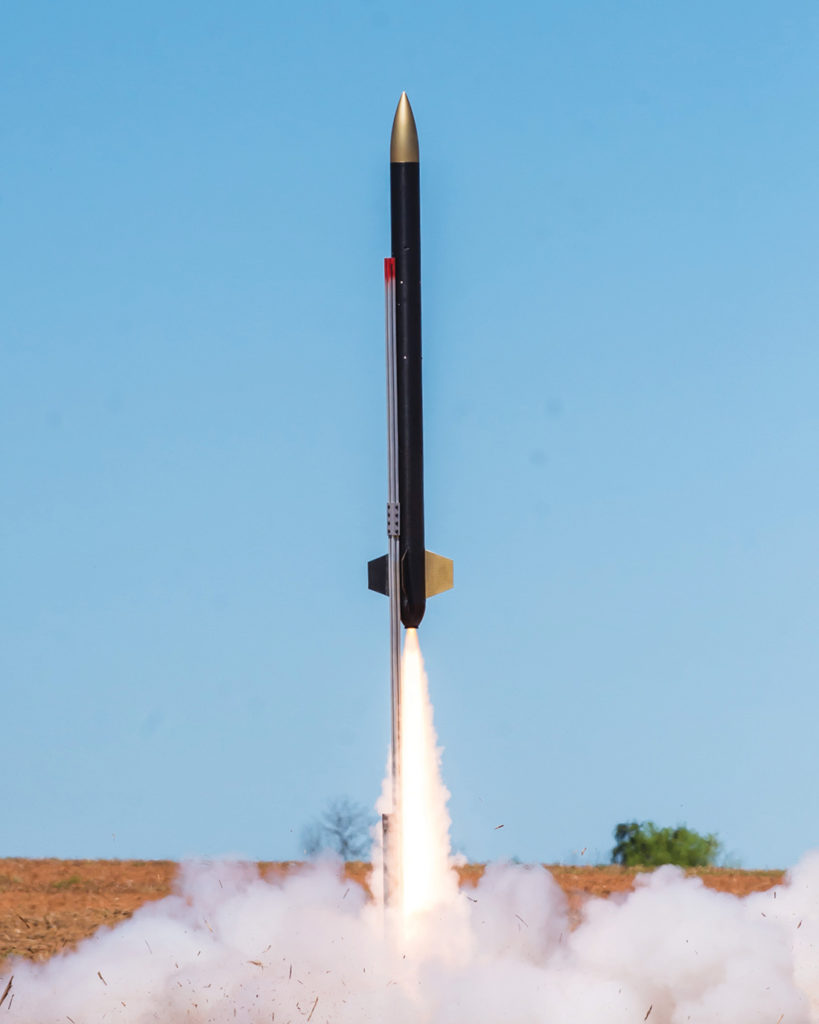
(620,214)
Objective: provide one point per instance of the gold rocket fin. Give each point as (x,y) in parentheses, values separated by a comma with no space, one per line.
(439,573)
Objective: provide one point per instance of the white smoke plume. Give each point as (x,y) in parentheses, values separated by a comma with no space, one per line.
(230,946)
(312,949)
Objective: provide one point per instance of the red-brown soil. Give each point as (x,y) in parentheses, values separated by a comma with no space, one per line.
(50,905)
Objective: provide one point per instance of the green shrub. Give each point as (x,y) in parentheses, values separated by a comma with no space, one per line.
(643,844)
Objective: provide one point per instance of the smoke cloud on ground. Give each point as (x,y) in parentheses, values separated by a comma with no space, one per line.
(231,946)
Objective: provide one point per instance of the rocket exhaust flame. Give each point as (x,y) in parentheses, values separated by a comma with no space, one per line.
(428,879)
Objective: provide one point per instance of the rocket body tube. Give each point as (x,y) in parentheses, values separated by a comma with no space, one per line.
(406,251)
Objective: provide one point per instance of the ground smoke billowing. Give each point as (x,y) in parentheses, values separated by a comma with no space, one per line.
(229,946)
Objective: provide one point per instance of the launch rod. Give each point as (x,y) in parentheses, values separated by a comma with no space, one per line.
(392,841)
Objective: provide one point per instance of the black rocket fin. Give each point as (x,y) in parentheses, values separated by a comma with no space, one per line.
(377,576)
(439,573)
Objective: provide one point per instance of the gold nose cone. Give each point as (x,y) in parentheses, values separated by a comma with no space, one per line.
(404,139)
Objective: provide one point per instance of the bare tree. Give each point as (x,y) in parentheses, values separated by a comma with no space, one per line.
(343,826)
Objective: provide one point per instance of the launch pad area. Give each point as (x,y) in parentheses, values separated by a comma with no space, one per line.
(47,906)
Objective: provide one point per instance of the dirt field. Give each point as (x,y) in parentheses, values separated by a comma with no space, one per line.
(50,905)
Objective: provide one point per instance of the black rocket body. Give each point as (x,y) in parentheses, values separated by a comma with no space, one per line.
(422,573)
(405,213)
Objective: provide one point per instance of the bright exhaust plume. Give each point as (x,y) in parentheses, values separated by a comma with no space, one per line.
(427,874)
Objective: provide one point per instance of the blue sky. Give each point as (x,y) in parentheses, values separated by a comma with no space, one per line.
(619,217)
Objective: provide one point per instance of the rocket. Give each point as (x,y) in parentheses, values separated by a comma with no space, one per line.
(415,572)
(408,574)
